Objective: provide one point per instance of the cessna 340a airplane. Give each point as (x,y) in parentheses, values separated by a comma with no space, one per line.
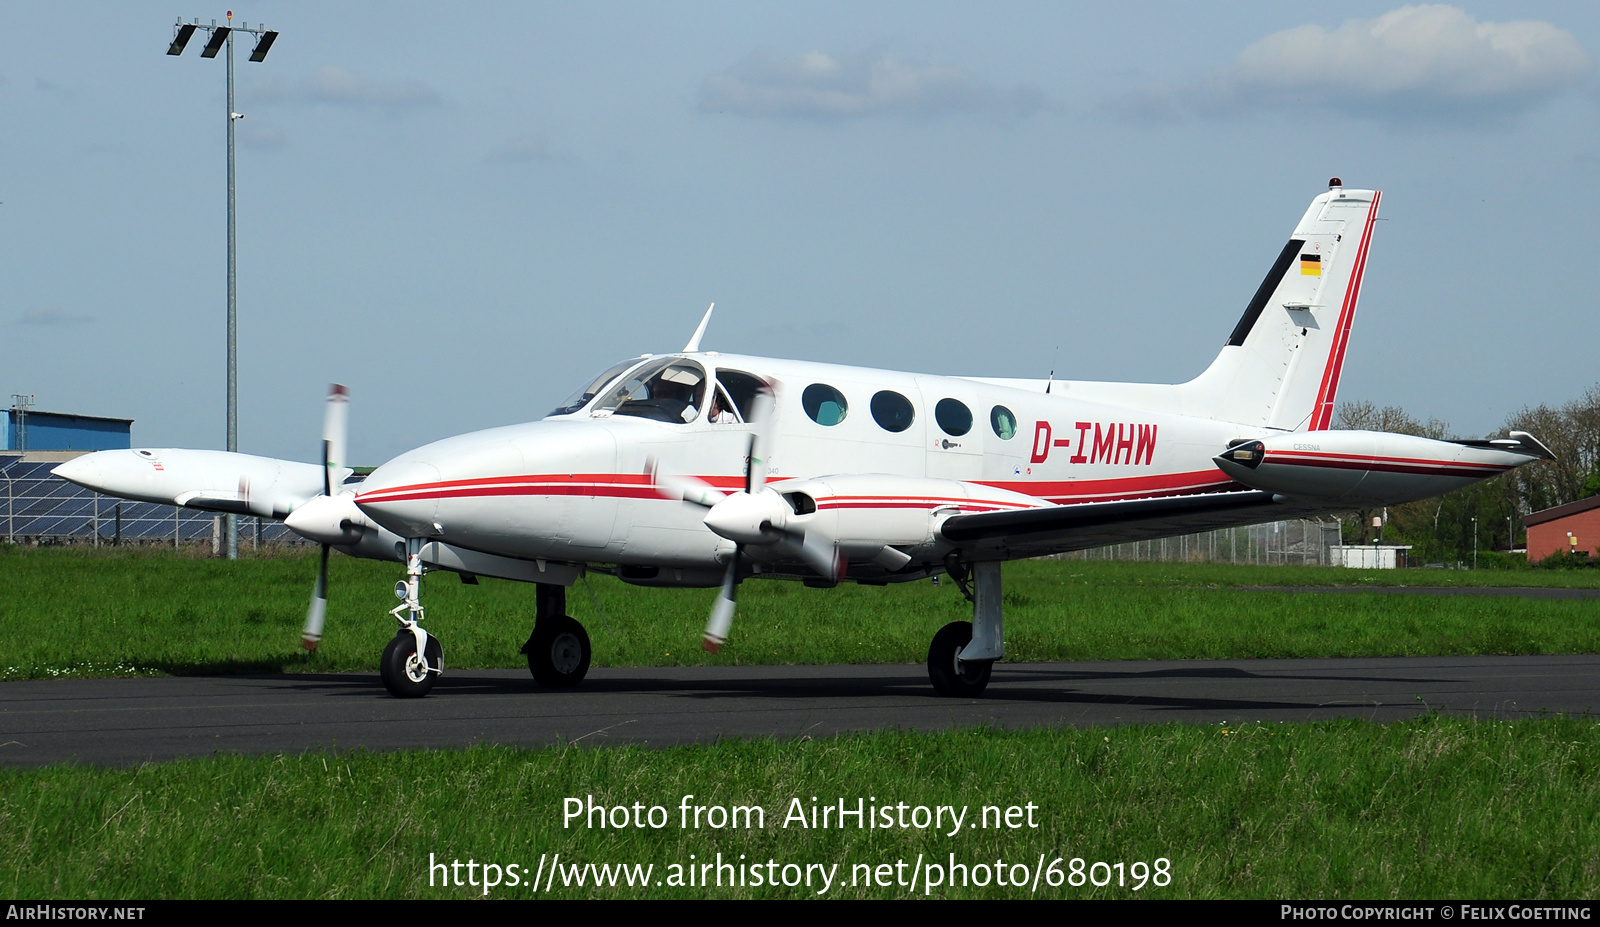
(703,469)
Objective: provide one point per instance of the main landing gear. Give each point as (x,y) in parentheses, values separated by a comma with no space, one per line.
(963,653)
(414,660)
(558,649)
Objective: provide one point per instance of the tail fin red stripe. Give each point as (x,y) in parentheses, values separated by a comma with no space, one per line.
(1322,412)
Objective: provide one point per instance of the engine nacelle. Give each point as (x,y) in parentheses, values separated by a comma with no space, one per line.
(887,519)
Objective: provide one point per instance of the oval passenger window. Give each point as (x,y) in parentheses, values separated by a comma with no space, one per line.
(1004,422)
(953,416)
(892,411)
(824,404)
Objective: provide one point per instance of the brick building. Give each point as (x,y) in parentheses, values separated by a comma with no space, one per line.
(1554,530)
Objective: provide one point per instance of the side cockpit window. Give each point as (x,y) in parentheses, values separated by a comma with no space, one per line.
(739,390)
(667,390)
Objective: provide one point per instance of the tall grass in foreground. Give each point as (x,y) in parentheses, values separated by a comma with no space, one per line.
(80,612)
(1433,808)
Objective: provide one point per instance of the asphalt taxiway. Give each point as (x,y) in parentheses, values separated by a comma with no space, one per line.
(124,722)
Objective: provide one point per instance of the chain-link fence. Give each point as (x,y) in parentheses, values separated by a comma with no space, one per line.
(1297,542)
(41,508)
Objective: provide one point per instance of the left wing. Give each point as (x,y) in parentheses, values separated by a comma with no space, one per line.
(1061,528)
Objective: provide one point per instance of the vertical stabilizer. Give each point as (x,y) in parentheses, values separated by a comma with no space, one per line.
(1280,367)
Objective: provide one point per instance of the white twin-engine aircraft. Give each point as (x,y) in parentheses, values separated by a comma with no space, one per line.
(703,469)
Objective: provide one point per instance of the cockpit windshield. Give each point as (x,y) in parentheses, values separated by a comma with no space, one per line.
(670,389)
(581,398)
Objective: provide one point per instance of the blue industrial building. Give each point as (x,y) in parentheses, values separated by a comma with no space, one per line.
(59,431)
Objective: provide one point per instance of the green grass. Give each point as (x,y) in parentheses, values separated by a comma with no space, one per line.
(1433,808)
(1427,809)
(81,612)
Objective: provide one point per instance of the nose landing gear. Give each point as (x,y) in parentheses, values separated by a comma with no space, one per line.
(414,660)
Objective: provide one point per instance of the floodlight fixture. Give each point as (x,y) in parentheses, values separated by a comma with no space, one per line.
(263,46)
(219,35)
(185,31)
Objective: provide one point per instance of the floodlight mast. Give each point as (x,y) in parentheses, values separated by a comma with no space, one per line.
(217,37)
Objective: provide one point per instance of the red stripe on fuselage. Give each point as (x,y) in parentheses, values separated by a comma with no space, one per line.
(638,486)
(920,504)
(1067,492)
(623,485)
(935,500)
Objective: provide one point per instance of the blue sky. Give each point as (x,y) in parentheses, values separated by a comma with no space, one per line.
(462,211)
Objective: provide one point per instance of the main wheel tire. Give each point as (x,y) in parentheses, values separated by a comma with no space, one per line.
(558,652)
(949,675)
(403,674)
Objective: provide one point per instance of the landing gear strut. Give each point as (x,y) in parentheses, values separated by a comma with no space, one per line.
(963,653)
(414,660)
(558,650)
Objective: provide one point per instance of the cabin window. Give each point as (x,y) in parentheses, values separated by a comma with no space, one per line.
(1004,422)
(953,416)
(892,411)
(824,404)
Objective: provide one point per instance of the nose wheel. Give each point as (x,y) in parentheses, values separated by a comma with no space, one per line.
(404,673)
(558,652)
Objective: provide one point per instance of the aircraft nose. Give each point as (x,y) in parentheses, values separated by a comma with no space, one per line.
(403,496)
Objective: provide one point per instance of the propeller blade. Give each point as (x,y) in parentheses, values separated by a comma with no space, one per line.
(688,488)
(759,415)
(319,607)
(722,610)
(334,431)
(821,553)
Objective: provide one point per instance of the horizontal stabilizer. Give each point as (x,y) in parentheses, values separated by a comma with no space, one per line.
(1359,468)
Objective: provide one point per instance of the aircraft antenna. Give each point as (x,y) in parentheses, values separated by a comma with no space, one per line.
(694,343)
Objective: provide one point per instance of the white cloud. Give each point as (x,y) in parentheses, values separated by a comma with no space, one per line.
(52,316)
(334,86)
(826,87)
(1416,61)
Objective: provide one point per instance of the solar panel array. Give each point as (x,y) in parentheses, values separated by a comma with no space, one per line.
(41,507)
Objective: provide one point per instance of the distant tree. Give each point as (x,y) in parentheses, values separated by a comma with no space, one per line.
(1572,433)
(1442,528)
